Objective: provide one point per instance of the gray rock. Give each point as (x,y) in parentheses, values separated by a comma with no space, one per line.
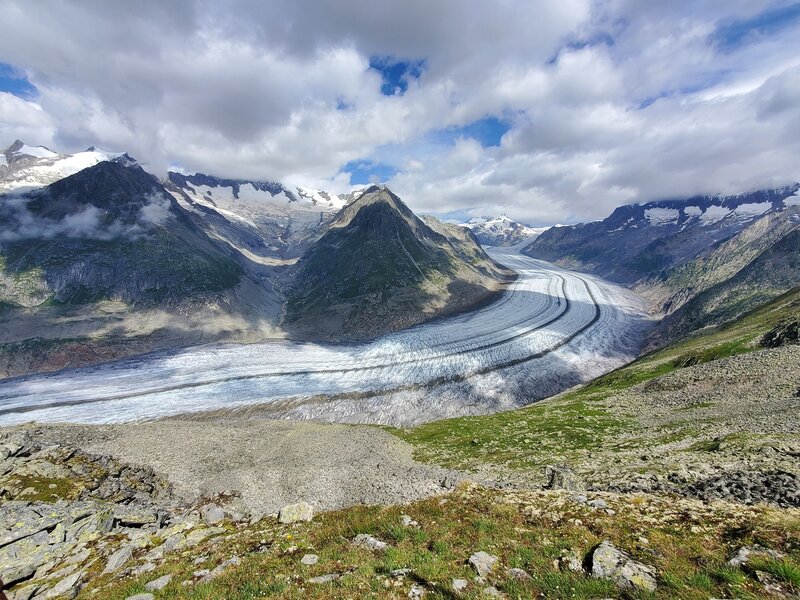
(141,597)
(199,535)
(302,511)
(610,563)
(570,561)
(212,514)
(78,557)
(221,568)
(118,559)
(745,553)
(561,477)
(158,584)
(325,578)
(143,568)
(483,563)
(408,521)
(67,587)
(12,574)
(459,585)
(520,574)
(310,559)
(24,593)
(416,592)
(370,542)
(132,516)
(492,592)
(598,503)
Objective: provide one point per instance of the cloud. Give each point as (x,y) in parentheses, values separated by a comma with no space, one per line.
(549,111)
(19,223)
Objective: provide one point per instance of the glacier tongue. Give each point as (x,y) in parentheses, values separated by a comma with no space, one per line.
(550,330)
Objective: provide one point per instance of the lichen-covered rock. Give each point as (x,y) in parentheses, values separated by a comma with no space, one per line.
(483,563)
(302,511)
(610,563)
(212,514)
(158,584)
(370,542)
(745,553)
(561,477)
(118,559)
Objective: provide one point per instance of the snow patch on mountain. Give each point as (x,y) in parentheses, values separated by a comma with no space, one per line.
(692,211)
(753,209)
(24,167)
(662,216)
(713,214)
(35,151)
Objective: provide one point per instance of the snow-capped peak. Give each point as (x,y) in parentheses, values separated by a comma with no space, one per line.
(20,148)
(24,167)
(500,231)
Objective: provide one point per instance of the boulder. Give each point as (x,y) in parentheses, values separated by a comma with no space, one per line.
(459,585)
(745,553)
(118,559)
(518,574)
(302,511)
(561,477)
(158,584)
(310,559)
(483,563)
(212,514)
(607,562)
(67,587)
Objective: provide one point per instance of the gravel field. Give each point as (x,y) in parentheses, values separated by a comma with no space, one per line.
(271,463)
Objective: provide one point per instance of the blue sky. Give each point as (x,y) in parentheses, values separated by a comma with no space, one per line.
(550,111)
(732,34)
(396,73)
(14,82)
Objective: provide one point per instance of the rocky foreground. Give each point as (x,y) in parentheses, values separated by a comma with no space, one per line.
(75,524)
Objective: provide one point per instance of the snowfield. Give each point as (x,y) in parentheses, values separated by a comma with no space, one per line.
(550,330)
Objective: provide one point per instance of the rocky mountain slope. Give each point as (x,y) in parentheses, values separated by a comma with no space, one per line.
(380,268)
(105,263)
(700,261)
(86,237)
(501,231)
(754,266)
(108,262)
(264,221)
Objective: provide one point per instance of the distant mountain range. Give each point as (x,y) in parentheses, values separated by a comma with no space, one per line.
(99,259)
(700,261)
(501,231)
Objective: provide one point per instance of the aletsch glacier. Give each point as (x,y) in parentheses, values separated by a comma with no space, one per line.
(552,329)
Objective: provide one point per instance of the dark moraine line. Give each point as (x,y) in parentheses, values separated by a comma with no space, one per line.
(429,384)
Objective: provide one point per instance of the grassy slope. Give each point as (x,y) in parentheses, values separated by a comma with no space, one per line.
(569,425)
(687,543)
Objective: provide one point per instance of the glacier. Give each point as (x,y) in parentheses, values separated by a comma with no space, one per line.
(550,330)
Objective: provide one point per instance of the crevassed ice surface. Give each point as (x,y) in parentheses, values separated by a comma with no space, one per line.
(552,329)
